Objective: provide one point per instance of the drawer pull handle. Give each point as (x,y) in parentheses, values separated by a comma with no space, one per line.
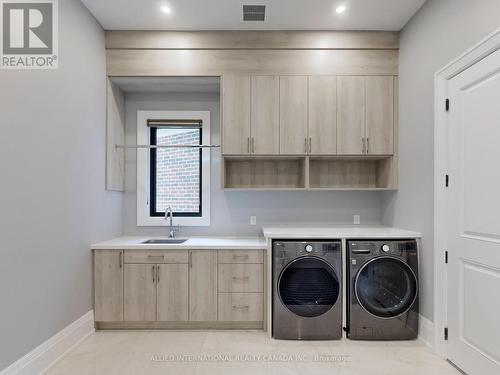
(240,256)
(156,256)
(241,307)
(242,278)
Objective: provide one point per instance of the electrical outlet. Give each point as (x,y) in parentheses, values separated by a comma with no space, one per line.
(253,220)
(357,219)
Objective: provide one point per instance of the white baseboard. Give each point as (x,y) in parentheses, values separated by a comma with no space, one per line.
(45,355)
(426,331)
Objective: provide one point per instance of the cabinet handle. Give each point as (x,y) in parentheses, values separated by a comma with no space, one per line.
(240,257)
(154,267)
(305,145)
(367,145)
(190,260)
(248,145)
(253,145)
(364,145)
(152,257)
(310,145)
(157,274)
(241,307)
(121,259)
(242,278)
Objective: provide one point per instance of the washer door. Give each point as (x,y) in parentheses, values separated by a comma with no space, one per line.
(386,287)
(308,287)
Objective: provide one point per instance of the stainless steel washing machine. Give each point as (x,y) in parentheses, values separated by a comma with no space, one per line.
(307,290)
(382,290)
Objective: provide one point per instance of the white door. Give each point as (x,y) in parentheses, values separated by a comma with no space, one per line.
(474,219)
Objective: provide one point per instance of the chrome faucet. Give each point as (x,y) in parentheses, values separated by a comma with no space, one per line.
(169,213)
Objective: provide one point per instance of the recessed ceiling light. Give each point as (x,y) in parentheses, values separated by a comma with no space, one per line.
(341,9)
(166,9)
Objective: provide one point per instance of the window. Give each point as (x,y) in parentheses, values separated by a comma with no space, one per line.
(173,177)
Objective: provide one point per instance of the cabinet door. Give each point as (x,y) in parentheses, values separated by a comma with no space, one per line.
(323,114)
(293,115)
(140,292)
(173,283)
(380,114)
(265,115)
(108,285)
(203,285)
(350,115)
(236,114)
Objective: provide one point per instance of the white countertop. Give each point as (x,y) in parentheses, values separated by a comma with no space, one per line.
(209,243)
(347,231)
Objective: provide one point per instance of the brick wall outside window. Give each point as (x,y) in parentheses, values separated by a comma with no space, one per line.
(178,171)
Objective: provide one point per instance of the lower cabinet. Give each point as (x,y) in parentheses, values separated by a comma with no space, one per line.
(178,289)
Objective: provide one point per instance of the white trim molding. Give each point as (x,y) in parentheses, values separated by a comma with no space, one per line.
(426,331)
(143,201)
(442,77)
(49,352)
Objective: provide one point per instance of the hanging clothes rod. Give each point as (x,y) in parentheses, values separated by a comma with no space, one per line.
(166,146)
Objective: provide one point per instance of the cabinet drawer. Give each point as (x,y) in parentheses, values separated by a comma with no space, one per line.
(241,278)
(243,307)
(156,256)
(241,256)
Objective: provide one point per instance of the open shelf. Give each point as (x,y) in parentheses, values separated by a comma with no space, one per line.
(332,172)
(269,173)
(342,173)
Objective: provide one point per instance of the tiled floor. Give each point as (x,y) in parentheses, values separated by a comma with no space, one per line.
(242,352)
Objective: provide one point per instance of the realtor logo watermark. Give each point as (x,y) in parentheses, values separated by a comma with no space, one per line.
(29,34)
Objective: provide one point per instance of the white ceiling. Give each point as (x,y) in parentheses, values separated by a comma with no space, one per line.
(227,14)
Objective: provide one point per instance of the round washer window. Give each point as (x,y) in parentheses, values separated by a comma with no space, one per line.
(386,287)
(308,287)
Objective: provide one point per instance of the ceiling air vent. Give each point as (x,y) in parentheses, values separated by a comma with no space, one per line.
(254,12)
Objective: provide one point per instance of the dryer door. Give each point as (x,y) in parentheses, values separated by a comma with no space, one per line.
(308,287)
(386,287)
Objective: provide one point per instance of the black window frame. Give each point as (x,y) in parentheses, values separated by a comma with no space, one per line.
(152,176)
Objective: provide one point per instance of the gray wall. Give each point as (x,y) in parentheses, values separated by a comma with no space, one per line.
(53,204)
(231,211)
(438,33)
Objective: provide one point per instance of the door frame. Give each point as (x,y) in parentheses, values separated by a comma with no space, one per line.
(442,77)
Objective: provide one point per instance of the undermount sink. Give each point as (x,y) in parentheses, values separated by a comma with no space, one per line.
(165,241)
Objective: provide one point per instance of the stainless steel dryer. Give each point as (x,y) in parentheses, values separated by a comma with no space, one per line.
(307,290)
(382,290)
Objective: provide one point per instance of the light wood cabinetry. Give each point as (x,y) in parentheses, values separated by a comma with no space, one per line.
(322,115)
(236,114)
(179,289)
(379,115)
(108,285)
(293,115)
(173,284)
(203,285)
(265,115)
(351,115)
(140,292)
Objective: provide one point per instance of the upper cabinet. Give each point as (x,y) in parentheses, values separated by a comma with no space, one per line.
(264,118)
(365,119)
(236,114)
(379,115)
(322,116)
(293,115)
(351,115)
